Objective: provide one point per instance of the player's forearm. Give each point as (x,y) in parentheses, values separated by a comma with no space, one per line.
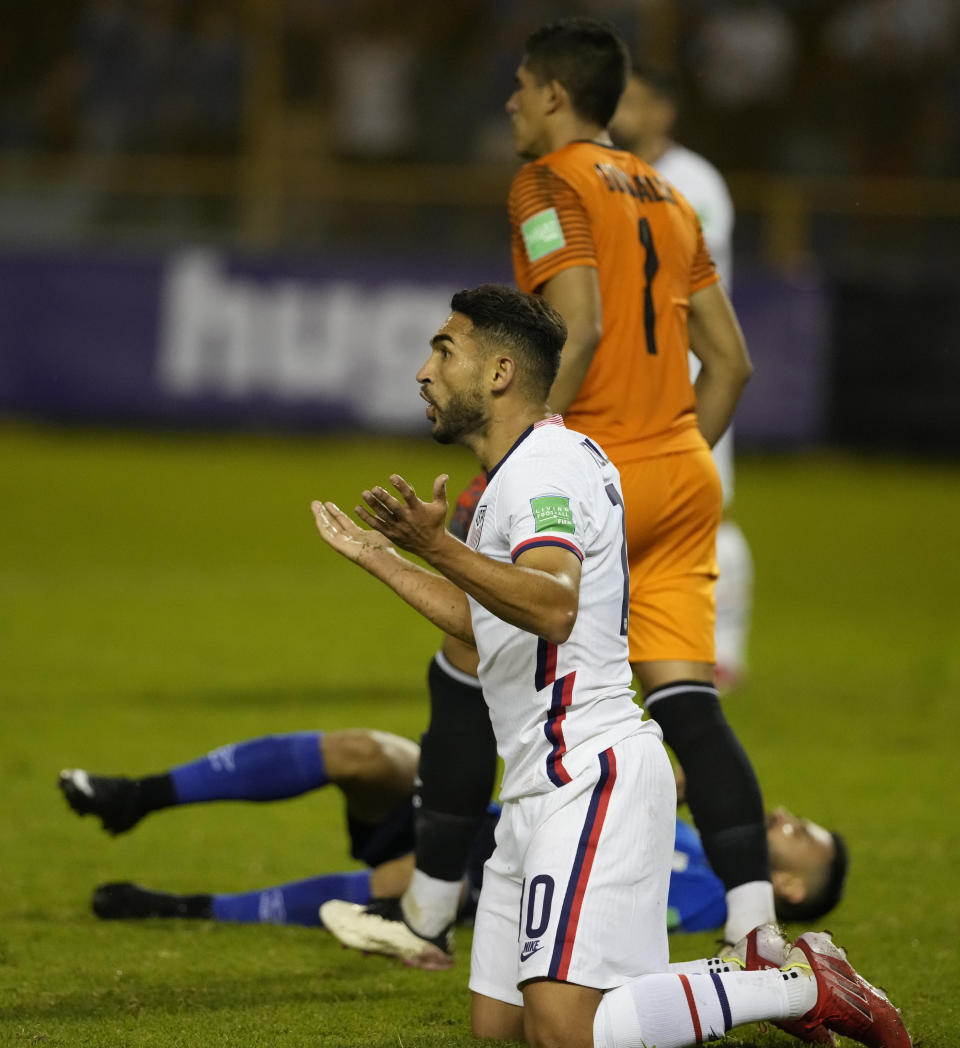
(533,600)
(717,398)
(574,365)
(436,598)
(717,342)
(575,294)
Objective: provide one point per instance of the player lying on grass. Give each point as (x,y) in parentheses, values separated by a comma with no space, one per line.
(376,773)
(584,843)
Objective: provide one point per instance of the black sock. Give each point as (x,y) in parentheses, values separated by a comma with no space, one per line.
(125,901)
(199,906)
(458,764)
(722,789)
(155,792)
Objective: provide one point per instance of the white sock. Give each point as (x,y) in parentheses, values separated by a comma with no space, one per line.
(429,905)
(748,905)
(704,966)
(673,1011)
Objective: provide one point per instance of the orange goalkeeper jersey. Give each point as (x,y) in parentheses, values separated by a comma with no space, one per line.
(591,205)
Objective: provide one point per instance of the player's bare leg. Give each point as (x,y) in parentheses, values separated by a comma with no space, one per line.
(559,1014)
(682,697)
(495,1020)
(375,770)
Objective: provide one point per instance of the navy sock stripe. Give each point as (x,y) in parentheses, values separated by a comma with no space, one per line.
(724,1002)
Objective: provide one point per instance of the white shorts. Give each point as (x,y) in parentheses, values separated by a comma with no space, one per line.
(576,888)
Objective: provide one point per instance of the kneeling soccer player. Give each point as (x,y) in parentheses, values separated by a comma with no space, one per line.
(583,846)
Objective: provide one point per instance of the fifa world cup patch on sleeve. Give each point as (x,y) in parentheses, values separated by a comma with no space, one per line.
(553,513)
(543,234)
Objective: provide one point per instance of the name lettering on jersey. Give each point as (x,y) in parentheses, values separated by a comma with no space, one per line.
(477,526)
(651,188)
(553,513)
(542,234)
(595,452)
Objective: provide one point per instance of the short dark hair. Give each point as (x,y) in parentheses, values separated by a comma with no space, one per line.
(823,901)
(662,81)
(526,323)
(588,57)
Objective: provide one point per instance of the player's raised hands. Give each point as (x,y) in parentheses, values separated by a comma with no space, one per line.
(415,526)
(343,534)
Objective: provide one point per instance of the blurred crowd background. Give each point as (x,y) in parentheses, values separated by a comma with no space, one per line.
(337,127)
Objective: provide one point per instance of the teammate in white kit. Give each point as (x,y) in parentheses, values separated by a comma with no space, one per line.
(643,123)
(570,945)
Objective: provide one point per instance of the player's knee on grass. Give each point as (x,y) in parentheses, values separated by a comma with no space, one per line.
(558,1014)
(495,1020)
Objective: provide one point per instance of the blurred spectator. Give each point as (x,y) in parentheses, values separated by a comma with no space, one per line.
(130,59)
(372,66)
(37,77)
(890,62)
(744,54)
(212,80)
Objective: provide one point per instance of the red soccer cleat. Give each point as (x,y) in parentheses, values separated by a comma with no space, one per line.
(846,1002)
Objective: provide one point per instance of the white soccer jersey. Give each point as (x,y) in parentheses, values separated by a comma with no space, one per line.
(555,707)
(703,186)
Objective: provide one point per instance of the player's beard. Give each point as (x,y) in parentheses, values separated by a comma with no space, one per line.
(464,413)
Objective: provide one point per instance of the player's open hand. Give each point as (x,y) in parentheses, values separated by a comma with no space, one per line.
(345,536)
(415,526)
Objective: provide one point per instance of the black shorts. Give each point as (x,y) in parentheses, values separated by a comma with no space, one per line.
(376,842)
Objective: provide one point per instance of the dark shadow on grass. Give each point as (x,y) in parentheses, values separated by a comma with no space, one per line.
(254,990)
(280,698)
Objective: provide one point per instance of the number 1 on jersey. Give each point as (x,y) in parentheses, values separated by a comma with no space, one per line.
(650,266)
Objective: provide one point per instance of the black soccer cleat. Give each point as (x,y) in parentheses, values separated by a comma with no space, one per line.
(114,799)
(123,901)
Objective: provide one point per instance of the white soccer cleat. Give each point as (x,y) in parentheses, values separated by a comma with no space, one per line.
(380,928)
(766,947)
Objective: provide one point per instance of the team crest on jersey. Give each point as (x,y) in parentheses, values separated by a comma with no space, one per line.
(477,526)
(553,513)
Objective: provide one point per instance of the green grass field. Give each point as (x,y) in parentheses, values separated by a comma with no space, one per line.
(162,595)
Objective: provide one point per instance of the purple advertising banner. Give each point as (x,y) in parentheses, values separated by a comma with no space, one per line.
(200,338)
